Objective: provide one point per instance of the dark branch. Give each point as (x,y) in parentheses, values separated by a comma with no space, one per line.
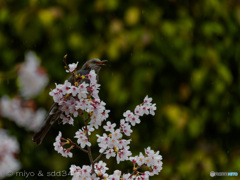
(89,148)
(136,170)
(78,147)
(100,155)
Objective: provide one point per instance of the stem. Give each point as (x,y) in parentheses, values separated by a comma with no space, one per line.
(99,157)
(66,66)
(90,157)
(78,147)
(69,141)
(136,170)
(89,148)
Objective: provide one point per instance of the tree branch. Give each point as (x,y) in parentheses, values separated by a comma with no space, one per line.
(100,155)
(66,67)
(77,146)
(89,148)
(136,170)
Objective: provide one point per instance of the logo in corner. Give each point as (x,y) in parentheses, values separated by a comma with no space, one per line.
(212,173)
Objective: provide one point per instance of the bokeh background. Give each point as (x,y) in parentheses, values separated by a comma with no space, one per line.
(185,54)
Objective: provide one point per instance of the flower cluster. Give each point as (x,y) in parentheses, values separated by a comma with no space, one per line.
(100,169)
(78,98)
(81,135)
(81,99)
(150,159)
(22,112)
(86,171)
(32,77)
(113,144)
(72,67)
(58,146)
(8,149)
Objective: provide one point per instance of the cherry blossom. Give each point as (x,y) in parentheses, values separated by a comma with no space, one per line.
(24,116)
(32,77)
(125,127)
(85,172)
(72,67)
(9,147)
(58,146)
(82,99)
(66,119)
(82,138)
(151,159)
(109,127)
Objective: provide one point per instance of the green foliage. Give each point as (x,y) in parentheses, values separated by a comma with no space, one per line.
(185,54)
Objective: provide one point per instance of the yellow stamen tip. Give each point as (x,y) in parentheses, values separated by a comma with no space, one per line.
(115,149)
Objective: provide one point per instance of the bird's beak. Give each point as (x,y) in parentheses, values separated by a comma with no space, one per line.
(101,63)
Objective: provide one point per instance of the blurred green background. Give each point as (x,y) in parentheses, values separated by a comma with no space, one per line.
(185,54)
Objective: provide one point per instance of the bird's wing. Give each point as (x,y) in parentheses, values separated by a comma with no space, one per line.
(53,113)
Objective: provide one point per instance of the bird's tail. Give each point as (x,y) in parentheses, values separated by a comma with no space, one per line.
(53,115)
(39,136)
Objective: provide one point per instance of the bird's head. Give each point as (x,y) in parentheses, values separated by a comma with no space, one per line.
(94,64)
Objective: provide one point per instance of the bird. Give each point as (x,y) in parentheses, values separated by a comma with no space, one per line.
(55,110)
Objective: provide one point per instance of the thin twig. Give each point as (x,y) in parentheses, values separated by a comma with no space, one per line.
(136,170)
(67,67)
(90,157)
(89,148)
(100,155)
(78,147)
